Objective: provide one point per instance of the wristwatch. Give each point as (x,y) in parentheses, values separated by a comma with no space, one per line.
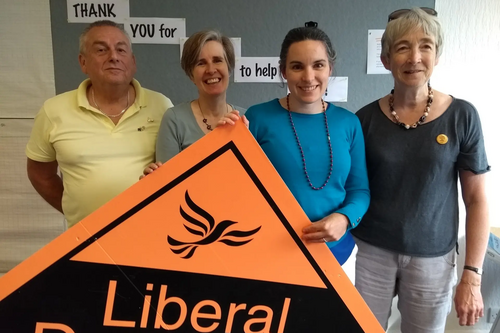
(476,270)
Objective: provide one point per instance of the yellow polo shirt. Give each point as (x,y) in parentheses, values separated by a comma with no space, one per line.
(98,159)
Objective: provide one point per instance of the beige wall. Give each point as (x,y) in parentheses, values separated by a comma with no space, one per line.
(26,80)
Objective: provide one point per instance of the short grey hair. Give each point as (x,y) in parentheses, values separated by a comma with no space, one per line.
(101,23)
(194,44)
(414,19)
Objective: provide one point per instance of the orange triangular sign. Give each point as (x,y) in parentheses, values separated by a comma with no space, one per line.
(207,243)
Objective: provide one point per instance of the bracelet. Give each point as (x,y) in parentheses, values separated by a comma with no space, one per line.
(478,271)
(471,283)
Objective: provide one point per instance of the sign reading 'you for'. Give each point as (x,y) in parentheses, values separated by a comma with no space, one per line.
(149,30)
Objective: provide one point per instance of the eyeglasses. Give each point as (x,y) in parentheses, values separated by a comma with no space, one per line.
(400,12)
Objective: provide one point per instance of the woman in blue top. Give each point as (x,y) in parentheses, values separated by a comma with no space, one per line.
(316,147)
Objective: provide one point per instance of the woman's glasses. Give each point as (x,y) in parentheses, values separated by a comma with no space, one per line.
(398,13)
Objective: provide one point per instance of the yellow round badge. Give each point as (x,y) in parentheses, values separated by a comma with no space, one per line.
(442,139)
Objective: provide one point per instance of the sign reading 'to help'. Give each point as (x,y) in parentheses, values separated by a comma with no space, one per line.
(257,69)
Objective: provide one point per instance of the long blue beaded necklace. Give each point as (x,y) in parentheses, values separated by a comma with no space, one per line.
(302,151)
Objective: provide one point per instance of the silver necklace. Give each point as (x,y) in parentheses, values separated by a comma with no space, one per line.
(110,115)
(205,120)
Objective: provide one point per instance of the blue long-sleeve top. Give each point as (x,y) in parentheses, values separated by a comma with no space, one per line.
(347,191)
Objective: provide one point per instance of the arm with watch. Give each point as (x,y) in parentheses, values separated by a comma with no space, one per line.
(468,298)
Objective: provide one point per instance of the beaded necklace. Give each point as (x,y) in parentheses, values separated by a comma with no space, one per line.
(300,147)
(205,120)
(419,121)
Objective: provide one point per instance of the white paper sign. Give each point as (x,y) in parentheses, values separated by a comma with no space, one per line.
(236,45)
(257,69)
(373,63)
(148,30)
(90,11)
(337,89)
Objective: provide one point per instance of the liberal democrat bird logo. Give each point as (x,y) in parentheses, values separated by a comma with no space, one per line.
(208,230)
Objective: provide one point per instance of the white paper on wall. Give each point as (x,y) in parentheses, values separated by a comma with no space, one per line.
(257,69)
(149,30)
(373,63)
(89,11)
(337,89)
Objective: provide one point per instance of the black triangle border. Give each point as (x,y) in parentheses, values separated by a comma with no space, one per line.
(230,146)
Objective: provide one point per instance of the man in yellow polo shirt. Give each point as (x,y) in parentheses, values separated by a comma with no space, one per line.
(101,135)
